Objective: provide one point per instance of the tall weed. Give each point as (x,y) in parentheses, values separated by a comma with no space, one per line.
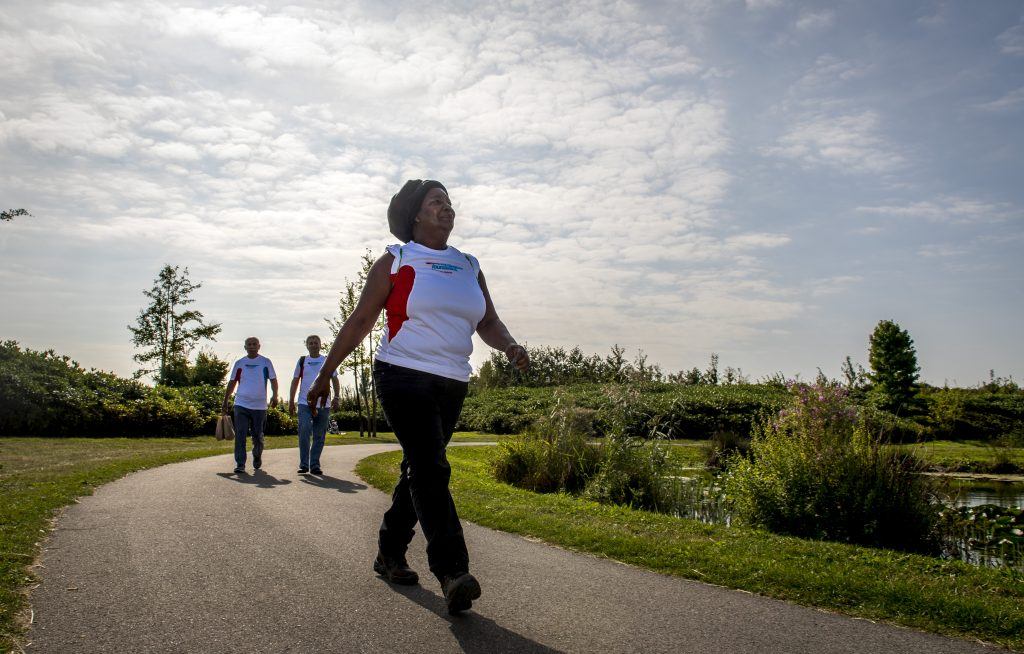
(817,471)
(552,455)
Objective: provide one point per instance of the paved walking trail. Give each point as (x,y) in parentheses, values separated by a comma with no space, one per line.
(188,558)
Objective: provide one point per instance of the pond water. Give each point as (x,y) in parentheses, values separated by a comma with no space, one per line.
(976,492)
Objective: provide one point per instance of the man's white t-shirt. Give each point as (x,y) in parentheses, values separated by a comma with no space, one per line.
(306,371)
(252,375)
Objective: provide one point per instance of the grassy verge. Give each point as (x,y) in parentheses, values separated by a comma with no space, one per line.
(38,476)
(942,596)
(967,456)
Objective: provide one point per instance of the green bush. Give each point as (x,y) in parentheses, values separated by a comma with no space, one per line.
(557,454)
(631,473)
(973,413)
(280,423)
(554,454)
(44,394)
(662,409)
(816,471)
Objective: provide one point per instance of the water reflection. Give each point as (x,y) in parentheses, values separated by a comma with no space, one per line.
(978,492)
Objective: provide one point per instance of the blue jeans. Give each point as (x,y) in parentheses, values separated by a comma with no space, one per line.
(309,457)
(249,422)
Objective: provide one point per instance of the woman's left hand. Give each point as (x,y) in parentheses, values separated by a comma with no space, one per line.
(518,356)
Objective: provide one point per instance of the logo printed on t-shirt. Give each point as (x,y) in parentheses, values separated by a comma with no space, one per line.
(251,365)
(445,268)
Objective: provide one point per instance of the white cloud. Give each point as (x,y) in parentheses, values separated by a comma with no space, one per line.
(847,142)
(833,285)
(1009,102)
(948,209)
(1011,42)
(815,21)
(174,151)
(761,5)
(941,250)
(829,71)
(593,151)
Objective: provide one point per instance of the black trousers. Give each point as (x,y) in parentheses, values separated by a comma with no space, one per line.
(422,409)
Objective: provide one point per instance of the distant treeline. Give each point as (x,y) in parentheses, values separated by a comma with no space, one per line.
(556,366)
(46,394)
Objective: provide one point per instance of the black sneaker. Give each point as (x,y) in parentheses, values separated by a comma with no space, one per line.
(303,471)
(257,464)
(316,471)
(459,591)
(239,470)
(397,571)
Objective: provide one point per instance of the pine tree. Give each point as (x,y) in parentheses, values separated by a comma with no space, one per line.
(894,369)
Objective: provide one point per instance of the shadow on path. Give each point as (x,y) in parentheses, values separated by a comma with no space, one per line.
(326,481)
(474,633)
(259,479)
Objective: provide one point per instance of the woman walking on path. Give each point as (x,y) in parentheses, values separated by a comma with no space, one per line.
(436,298)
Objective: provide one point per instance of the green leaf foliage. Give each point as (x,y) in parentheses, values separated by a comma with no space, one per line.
(669,410)
(44,394)
(894,368)
(167,329)
(816,471)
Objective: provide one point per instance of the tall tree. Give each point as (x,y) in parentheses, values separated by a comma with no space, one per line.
(894,368)
(10,214)
(360,361)
(168,329)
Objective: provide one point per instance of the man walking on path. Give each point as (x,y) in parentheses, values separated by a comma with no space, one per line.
(250,374)
(306,370)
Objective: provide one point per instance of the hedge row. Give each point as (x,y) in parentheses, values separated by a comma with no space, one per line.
(669,410)
(44,394)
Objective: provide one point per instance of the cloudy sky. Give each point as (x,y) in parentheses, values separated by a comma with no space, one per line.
(763,179)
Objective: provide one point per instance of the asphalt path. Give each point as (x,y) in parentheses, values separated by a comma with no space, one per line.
(190,558)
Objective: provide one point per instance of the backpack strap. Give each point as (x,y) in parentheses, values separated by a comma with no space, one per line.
(302,366)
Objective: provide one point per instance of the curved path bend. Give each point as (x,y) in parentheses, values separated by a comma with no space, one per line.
(188,558)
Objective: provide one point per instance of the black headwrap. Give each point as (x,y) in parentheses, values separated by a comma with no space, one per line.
(406,204)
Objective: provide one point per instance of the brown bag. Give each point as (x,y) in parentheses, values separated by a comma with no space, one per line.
(225,429)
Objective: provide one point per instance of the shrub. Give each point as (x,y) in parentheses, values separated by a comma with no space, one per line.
(631,472)
(816,471)
(662,409)
(554,454)
(973,413)
(280,423)
(723,446)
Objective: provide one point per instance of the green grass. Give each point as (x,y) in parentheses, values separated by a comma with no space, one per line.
(966,455)
(38,476)
(947,597)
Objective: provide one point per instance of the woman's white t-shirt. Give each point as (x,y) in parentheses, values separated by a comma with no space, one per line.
(433,310)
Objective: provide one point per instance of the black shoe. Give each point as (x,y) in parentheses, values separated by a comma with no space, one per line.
(316,471)
(459,591)
(257,464)
(303,470)
(397,571)
(239,470)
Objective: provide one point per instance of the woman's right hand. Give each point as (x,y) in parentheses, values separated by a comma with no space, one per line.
(319,393)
